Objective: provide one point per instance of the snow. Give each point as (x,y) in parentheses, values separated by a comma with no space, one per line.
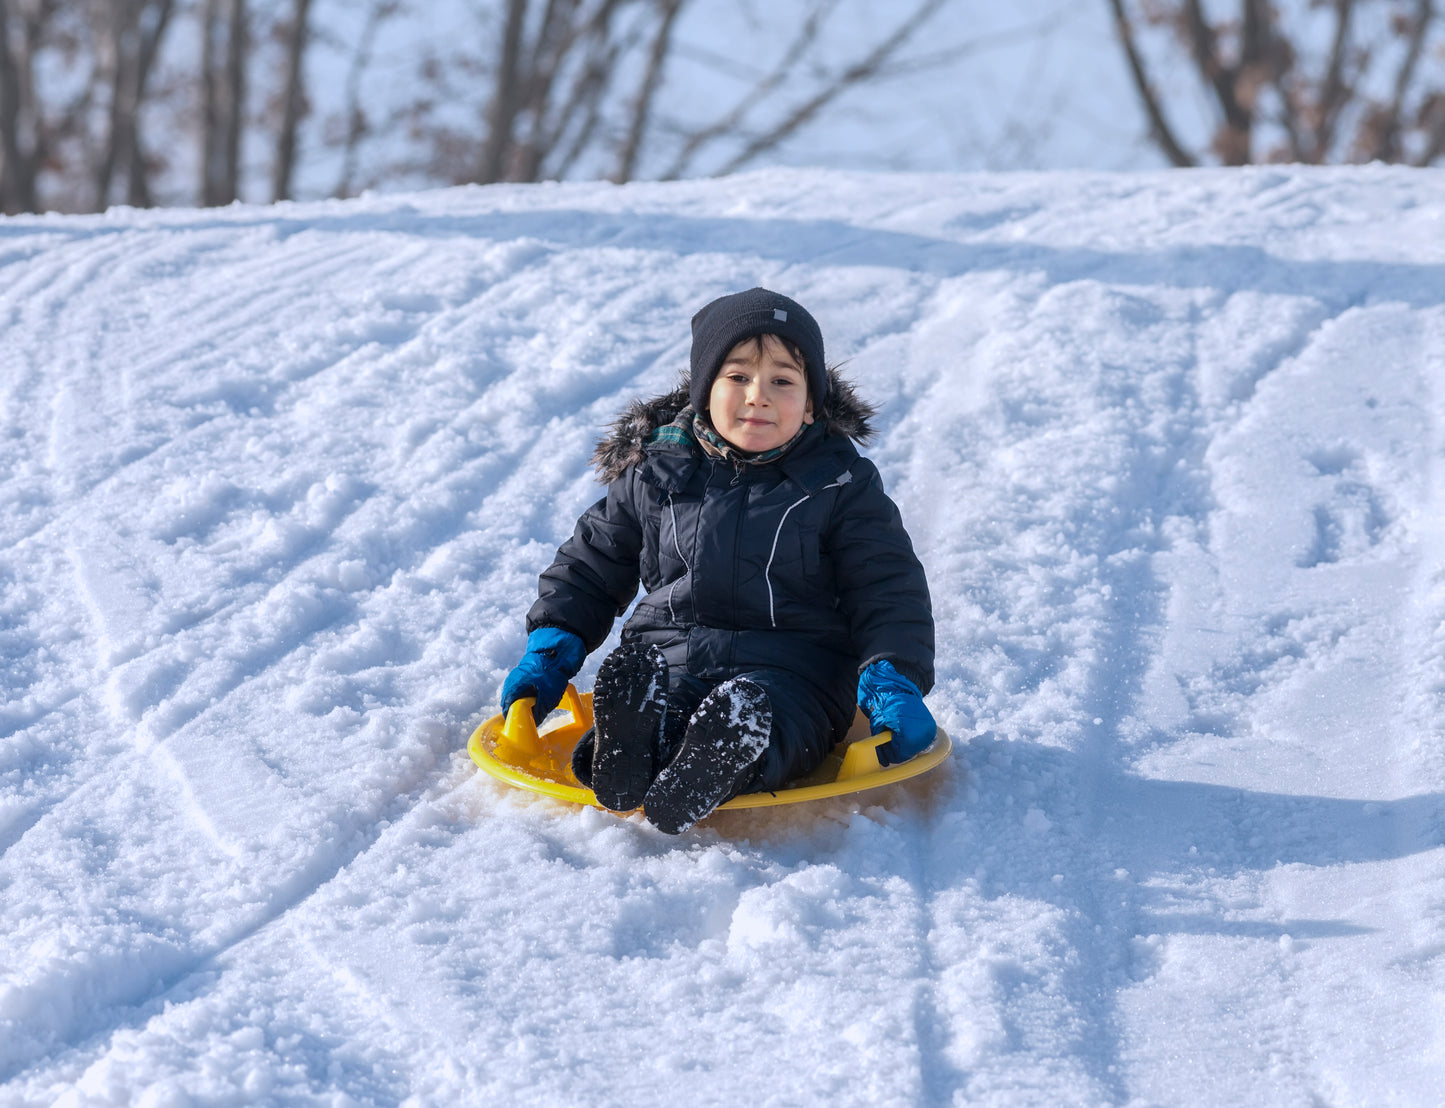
(275,486)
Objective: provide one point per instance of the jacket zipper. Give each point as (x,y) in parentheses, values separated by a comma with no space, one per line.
(676,545)
(737,558)
(843,479)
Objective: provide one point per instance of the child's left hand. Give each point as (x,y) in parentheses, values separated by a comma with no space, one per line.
(894,703)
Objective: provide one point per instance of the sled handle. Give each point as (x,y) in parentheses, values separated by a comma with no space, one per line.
(862,756)
(573,703)
(520,724)
(519,732)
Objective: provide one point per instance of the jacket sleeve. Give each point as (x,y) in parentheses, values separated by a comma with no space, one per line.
(883,592)
(595,573)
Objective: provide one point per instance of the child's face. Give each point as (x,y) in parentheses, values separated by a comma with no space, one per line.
(759,398)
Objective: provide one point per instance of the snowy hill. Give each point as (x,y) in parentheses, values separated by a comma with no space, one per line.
(275,486)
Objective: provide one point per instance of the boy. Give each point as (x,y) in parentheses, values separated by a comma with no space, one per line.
(777,577)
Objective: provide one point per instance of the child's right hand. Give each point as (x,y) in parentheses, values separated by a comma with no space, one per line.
(553,658)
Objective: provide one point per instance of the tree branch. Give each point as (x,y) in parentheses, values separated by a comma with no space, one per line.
(1335,93)
(1160,129)
(585,97)
(580,112)
(729,122)
(647,91)
(851,76)
(1387,137)
(356,125)
(1232,140)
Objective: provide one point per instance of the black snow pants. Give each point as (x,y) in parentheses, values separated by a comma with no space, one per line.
(803,730)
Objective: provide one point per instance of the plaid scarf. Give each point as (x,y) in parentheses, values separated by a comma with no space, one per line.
(689,427)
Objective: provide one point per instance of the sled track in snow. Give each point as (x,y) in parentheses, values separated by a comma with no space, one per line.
(308,463)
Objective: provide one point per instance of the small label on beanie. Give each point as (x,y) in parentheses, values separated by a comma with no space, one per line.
(780,315)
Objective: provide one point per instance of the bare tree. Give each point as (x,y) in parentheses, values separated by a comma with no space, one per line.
(135,31)
(574,84)
(506,94)
(832,82)
(22,138)
(60,123)
(1277,96)
(555,65)
(95,95)
(354,123)
(296,38)
(224,47)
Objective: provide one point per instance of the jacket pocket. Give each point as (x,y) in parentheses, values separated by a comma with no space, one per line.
(808,551)
(648,563)
(671,561)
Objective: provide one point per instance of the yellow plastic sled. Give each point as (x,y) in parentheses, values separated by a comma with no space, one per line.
(513,750)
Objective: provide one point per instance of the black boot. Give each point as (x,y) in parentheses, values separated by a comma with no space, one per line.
(582,757)
(628,703)
(724,740)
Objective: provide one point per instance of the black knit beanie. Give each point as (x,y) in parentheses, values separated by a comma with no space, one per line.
(726,321)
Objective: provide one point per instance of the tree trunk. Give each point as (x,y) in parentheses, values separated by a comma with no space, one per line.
(134,43)
(236,98)
(293,100)
(506,97)
(122,16)
(210,101)
(138,192)
(17,164)
(223,99)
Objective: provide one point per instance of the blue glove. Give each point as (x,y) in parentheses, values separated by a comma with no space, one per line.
(553,658)
(893,703)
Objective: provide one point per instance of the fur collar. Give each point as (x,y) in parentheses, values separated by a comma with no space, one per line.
(844,413)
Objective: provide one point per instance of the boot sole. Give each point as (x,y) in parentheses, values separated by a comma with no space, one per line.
(727,734)
(627,715)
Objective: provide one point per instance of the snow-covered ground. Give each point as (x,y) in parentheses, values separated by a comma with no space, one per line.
(275,486)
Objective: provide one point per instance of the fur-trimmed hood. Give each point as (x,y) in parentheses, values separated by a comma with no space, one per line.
(844,413)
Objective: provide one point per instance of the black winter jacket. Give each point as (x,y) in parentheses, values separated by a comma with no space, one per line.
(800,565)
